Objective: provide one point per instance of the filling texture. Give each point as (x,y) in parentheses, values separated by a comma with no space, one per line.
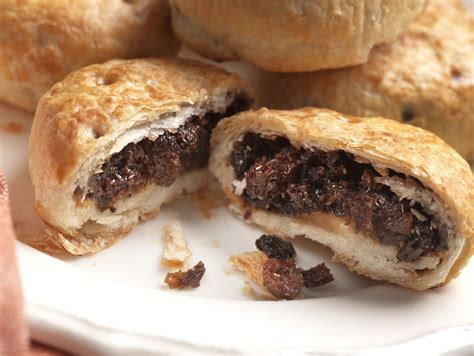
(281,178)
(158,162)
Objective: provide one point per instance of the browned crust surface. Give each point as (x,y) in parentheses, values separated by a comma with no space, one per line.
(43,40)
(291,35)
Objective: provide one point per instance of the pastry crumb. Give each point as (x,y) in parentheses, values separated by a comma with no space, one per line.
(251,264)
(11,127)
(176,251)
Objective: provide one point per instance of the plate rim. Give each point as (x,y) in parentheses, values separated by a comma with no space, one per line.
(55,326)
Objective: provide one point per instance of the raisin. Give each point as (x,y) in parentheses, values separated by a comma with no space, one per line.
(393,221)
(408,114)
(252,148)
(268,179)
(336,194)
(300,198)
(313,175)
(282,278)
(167,168)
(275,247)
(362,211)
(317,276)
(188,279)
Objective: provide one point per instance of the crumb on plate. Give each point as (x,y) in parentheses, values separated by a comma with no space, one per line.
(176,251)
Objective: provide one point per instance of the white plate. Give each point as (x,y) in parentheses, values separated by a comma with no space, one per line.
(114,301)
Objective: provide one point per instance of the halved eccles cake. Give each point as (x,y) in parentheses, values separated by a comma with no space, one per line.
(392,201)
(112,142)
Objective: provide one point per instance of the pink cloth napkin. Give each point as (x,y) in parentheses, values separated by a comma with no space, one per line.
(13,329)
(14,338)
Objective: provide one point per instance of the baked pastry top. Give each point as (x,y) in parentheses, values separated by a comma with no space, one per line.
(113,141)
(424,78)
(43,40)
(291,35)
(373,161)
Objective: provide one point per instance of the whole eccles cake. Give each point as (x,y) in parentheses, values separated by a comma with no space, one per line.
(291,35)
(43,40)
(392,201)
(425,78)
(112,142)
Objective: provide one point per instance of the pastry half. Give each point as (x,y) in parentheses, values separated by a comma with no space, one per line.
(392,201)
(113,142)
(424,78)
(291,35)
(43,40)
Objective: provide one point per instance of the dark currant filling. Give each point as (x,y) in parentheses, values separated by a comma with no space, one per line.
(158,162)
(291,181)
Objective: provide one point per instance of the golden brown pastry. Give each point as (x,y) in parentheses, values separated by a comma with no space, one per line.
(113,142)
(291,35)
(425,78)
(392,201)
(43,40)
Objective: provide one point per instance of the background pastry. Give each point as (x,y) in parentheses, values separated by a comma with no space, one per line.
(291,36)
(392,201)
(425,78)
(43,40)
(112,142)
